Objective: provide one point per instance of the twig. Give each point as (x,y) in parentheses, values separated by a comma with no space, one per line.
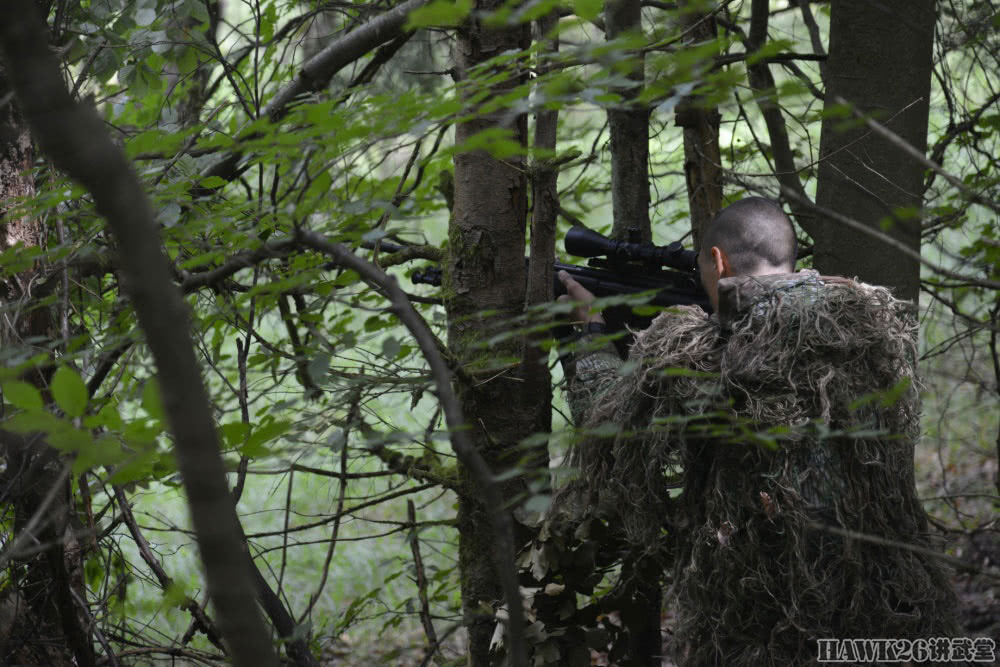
(466,452)
(418,563)
(888,240)
(350,510)
(286,517)
(352,416)
(201,619)
(172,651)
(905,146)
(995,354)
(401,464)
(762,82)
(92,622)
(814,35)
(431,650)
(242,353)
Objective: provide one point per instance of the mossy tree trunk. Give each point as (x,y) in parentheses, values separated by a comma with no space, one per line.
(504,400)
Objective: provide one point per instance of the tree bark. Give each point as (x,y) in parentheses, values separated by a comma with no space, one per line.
(76,141)
(862,175)
(544,210)
(628,126)
(702,160)
(485,271)
(45,627)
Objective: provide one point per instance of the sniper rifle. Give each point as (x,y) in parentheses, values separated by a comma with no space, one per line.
(615,268)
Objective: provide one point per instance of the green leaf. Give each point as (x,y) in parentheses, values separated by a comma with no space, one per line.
(234,434)
(101,452)
(390,348)
(588,10)
(144,17)
(22,395)
(263,435)
(138,466)
(169,214)
(37,421)
(69,392)
(107,416)
(439,13)
(175,595)
(152,403)
(267,21)
(318,367)
(212,182)
(197,9)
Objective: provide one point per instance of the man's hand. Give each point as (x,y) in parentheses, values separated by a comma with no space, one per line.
(577,292)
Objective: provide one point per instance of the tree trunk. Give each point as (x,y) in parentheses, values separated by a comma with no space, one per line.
(41,623)
(485,271)
(864,176)
(702,160)
(629,128)
(544,210)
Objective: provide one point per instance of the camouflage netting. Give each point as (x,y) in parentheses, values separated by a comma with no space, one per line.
(798,413)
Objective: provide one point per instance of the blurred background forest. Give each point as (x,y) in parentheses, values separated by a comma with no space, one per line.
(250,122)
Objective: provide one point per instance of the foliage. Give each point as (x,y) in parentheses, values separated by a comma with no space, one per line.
(322,400)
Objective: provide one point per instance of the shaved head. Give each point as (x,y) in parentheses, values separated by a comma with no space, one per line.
(755,234)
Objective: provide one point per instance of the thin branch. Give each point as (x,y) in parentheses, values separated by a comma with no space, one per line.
(905,146)
(888,240)
(762,82)
(13,549)
(814,36)
(201,620)
(467,454)
(350,510)
(316,72)
(409,466)
(92,622)
(352,416)
(421,578)
(995,354)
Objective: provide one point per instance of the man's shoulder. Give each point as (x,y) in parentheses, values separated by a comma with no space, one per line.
(677,335)
(740,296)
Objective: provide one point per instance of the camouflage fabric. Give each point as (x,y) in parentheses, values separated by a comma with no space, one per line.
(790,417)
(595,369)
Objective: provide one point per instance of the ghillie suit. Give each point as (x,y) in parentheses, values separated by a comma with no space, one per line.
(790,419)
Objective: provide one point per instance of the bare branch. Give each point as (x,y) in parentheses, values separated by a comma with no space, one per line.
(201,620)
(318,70)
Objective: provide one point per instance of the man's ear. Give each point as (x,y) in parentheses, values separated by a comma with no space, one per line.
(720,262)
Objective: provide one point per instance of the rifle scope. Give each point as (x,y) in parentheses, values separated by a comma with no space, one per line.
(584,242)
